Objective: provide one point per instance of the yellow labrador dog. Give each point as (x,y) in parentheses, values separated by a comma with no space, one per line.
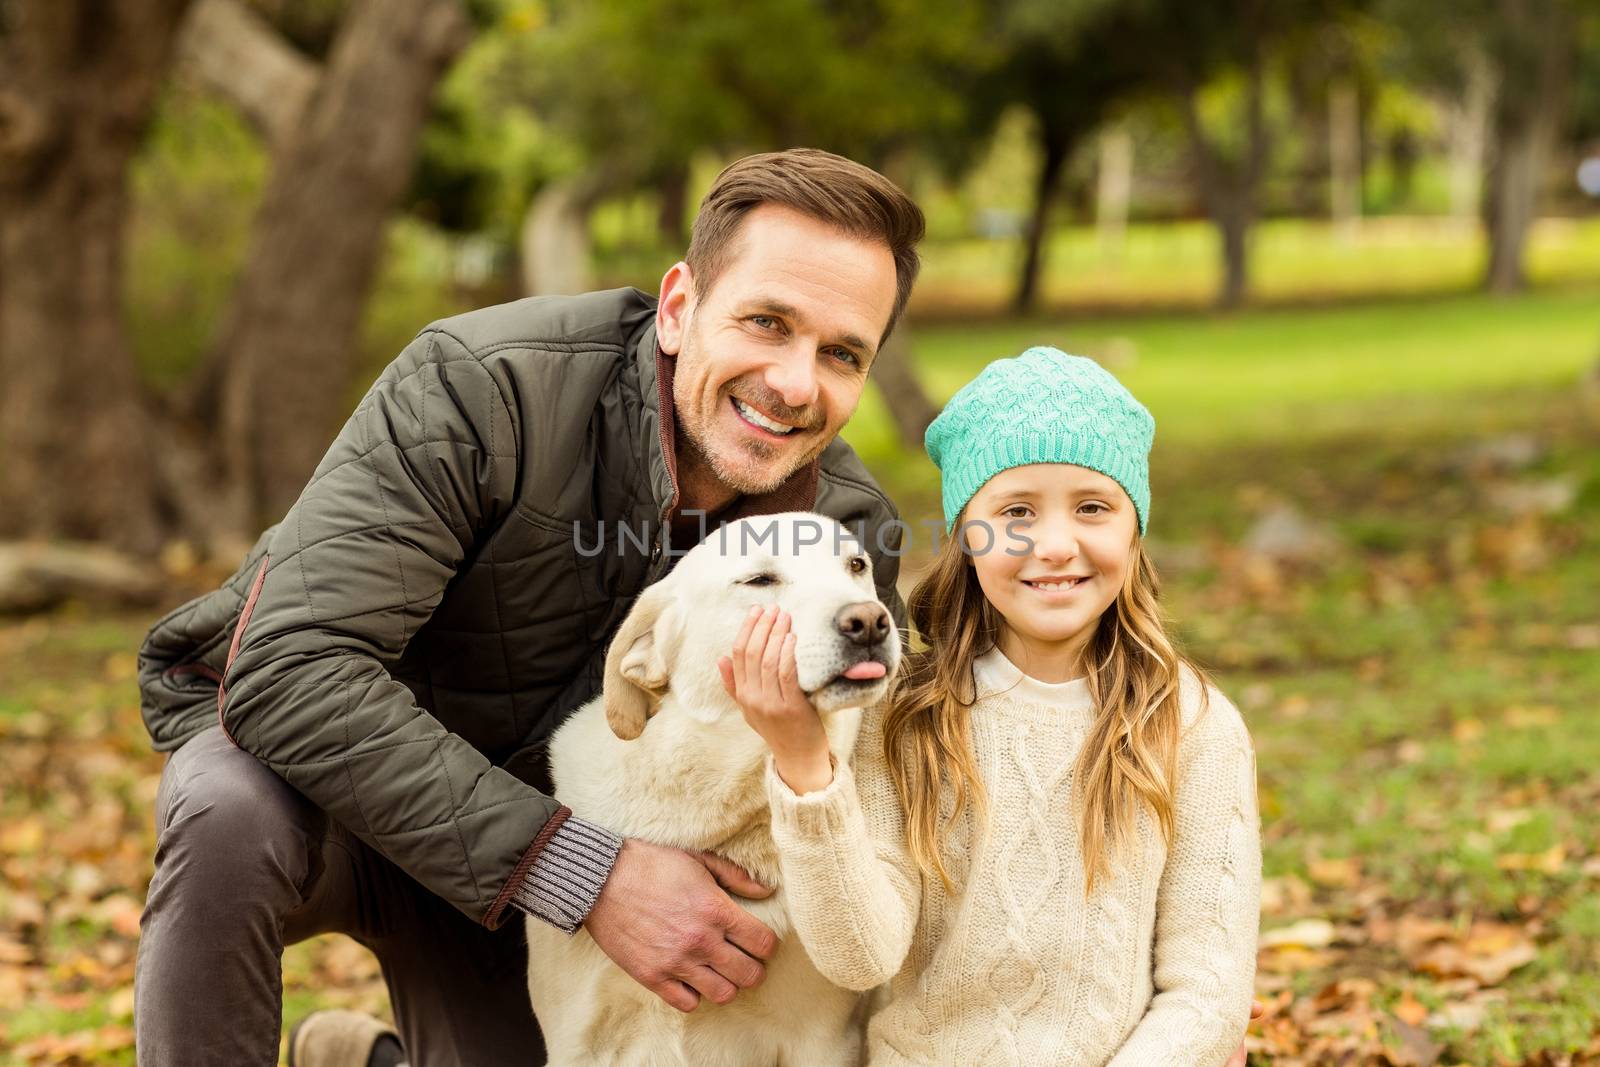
(664,754)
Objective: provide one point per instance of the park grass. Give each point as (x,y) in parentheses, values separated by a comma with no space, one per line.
(1421,694)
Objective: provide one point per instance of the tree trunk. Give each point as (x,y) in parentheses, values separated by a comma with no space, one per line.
(1344,158)
(1113,191)
(1537,59)
(1513,202)
(1402,151)
(288,344)
(893,368)
(672,213)
(1229,189)
(908,405)
(1233,226)
(1308,188)
(1056,151)
(1469,128)
(234,51)
(78,81)
(555,240)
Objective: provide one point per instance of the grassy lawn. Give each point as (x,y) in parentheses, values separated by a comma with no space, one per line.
(1421,687)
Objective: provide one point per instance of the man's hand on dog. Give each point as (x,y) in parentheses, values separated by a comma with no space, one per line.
(762,677)
(664,918)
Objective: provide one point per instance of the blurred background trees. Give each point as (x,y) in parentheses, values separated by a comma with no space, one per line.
(213,231)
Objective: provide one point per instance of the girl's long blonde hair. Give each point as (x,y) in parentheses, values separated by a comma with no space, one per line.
(1129,758)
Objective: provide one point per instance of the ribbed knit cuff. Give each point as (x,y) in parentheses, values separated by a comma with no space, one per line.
(568,874)
(819,815)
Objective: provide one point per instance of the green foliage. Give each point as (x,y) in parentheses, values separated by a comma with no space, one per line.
(1436,47)
(484,151)
(409,293)
(1586,94)
(194,190)
(641,85)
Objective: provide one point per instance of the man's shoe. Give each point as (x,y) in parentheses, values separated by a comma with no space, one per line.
(336,1038)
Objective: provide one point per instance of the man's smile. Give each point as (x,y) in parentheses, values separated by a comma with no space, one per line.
(755,418)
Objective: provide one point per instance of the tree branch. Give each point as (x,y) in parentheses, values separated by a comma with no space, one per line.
(236,52)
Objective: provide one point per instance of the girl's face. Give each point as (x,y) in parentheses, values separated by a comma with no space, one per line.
(1051,544)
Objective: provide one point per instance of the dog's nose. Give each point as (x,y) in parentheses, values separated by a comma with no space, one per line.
(866,623)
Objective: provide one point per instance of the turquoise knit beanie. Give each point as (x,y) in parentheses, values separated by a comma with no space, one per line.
(1043,406)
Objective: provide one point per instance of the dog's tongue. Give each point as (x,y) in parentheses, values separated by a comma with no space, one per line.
(866,669)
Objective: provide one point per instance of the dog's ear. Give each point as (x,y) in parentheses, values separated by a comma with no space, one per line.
(637,670)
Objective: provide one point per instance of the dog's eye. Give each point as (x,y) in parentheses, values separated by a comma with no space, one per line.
(858,565)
(761,579)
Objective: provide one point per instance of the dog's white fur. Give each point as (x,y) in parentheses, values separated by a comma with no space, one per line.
(664,754)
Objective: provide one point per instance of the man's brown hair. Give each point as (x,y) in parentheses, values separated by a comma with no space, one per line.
(829,188)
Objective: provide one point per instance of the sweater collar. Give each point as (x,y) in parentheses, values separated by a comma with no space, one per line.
(994,674)
(655,369)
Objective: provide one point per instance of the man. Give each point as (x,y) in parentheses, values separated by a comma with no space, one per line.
(358,717)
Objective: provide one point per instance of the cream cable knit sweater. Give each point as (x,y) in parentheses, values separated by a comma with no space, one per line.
(1154,969)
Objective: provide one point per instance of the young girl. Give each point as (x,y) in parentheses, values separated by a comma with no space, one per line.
(1049,841)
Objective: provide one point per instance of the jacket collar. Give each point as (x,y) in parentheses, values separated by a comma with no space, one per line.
(655,369)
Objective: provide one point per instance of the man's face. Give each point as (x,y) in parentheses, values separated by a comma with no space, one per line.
(771,361)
